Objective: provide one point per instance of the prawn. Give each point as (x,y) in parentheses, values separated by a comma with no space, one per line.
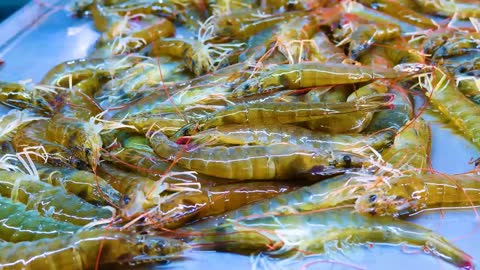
(275,161)
(314,233)
(411,194)
(19,224)
(311,74)
(80,251)
(457,108)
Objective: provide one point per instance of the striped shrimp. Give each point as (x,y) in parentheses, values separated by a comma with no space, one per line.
(18,224)
(311,74)
(272,134)
(49,200)
(13,121)
(72,72)
(25,96)
(187,207)
(285,113)
(82,250)
(142,193)
(408,195)
(275,161)
(84,184)
(411,148)
(82,137)
(457,108)
(317,233)
(200,55)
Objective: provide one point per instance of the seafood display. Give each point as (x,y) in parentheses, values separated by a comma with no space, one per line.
(285,130)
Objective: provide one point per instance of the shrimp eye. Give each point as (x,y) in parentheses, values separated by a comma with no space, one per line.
(246,86)
(372,198)
(348,161)
(126,199)
(88,151)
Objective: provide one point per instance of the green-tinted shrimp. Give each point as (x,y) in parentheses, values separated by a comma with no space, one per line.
(317,232)
(84,184)
(311,74)
(81,251)
(81,137)
(21,96)
(401,12)
(291,112)
(272,134)
(17,224)
(453,104)
(411,148)
(275,161)
(72,72)
(13,121)
(408,195)
(189,207)
(34,135)
(49,200)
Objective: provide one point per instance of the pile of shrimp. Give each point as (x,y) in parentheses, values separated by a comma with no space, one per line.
(282,129)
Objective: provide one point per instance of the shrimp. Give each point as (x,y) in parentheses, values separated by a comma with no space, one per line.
(34,135)
(377,17)
(275,161)
(72,72)
(200,55)
(24,96)
(292,112)
(141,80)
(49,200)
(326,52)
(457,9)
(415,136)
(189,207)
(82,137)
(401,12)
(452,104)
(470,87)
(136,35)
(84,184)
(396,118)
(245,23)
(77,102)
(18,224)
(294,135)
(332,192)
(13,121)
(311,74)
(141,193)
(352,123)
(364,36)
(81,251)
(408,195)
(317,232)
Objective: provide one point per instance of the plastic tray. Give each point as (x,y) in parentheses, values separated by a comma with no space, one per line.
(41,35)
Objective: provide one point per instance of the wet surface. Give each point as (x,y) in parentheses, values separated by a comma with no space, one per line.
(60,37)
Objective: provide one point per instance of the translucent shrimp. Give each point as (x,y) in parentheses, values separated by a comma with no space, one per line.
(49,200)
(411,148)
(19,224)
(275,161)
(311,74)
(317,233)
(81,251)
(291,112)
(187,207)
(14,120)
(408,195)
(271,134)
(452,104)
